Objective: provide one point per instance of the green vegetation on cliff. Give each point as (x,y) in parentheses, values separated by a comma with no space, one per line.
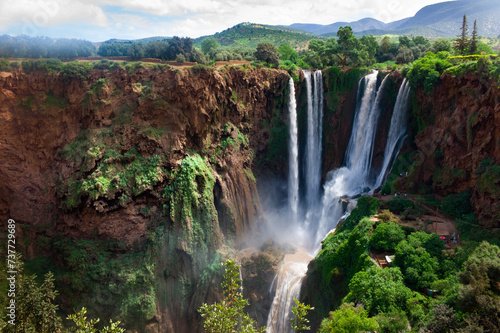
(106,172)
(228,315)
(392,296)
(343,253)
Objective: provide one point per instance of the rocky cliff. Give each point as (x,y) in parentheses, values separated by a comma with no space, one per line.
(132,181)
(133,185)
(456,131)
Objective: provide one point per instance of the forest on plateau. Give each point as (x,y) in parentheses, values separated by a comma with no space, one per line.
(149,184)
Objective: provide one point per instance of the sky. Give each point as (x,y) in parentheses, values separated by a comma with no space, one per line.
(100,20)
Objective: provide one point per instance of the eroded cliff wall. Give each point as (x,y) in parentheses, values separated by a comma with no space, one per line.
(457,136)
(131,181)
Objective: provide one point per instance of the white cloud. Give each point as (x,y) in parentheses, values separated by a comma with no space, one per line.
(167,7)
(194,17)
(42,13)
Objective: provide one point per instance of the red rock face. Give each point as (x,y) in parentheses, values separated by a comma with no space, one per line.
(195,110)
(192,107)
(465,131)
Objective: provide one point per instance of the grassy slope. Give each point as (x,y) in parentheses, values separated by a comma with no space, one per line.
(250,35)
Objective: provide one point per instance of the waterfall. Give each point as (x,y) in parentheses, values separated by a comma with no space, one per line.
(293,154)
(314,129)
(348,181)
(289,280)
(397,131)
(360,148)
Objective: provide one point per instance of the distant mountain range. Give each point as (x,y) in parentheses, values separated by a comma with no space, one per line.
(439,20)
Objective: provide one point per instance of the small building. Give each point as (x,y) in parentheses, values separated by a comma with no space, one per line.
(389,259)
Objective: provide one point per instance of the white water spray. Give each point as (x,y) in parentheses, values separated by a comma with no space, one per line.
(314,129)
(289,280)
(397,131)
(293,154)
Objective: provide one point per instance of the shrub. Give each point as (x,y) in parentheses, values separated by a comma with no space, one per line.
(387,216)
(425,72)
(4,65)
(103,64)
(200,68)
(114,66)
(399,204)
(348,319)
(162,67)
(180,58)
(133,66)
(83,325)
(76,70)
(392,322)
(47,65)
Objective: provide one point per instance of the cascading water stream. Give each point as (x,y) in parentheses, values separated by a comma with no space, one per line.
(294,266)
(397,131)
(353,179)
(314,129)
(360,148)
(293,155)
(288,283)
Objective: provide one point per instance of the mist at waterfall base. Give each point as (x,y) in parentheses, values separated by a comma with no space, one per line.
(302,213)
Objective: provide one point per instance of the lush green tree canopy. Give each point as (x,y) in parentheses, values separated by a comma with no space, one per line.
(380,290)
(267,53)
(209,44)
(348,319)
(386,236)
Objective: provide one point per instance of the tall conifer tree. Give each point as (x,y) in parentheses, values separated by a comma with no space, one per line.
(462,42)
(474,40)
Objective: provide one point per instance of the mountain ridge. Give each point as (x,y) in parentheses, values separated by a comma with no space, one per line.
(437,20)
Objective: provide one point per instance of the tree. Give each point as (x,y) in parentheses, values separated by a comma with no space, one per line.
(287,53)
(380,290)
(386,51)
(370,45)
(299,323)
(443,320)
(35,308)
(480,278)
(228,316)
(406,41)
(414,258)
(267,53)
(387,236)
(441,44)
(348,47)
(84,326)
(474,40)
(404,56)
(348,319)
(136,50)
(180,58)
(209,44)
(462,42)
(178,45)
